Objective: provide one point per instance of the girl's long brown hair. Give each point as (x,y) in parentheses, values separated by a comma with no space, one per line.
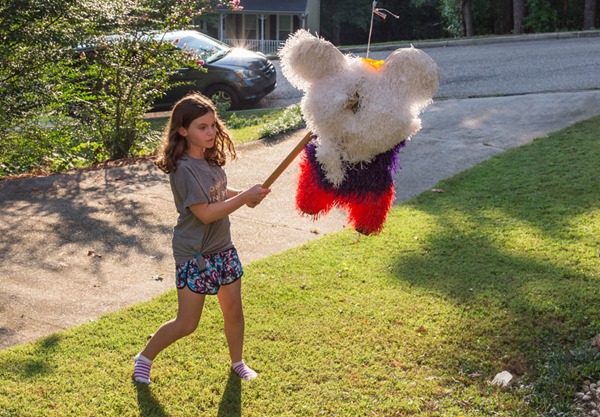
(174,145)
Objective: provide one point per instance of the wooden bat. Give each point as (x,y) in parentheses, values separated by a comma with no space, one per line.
(288,160)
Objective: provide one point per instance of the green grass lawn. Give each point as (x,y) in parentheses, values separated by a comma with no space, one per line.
(499,272)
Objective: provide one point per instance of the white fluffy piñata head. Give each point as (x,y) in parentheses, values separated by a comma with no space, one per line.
(356,110)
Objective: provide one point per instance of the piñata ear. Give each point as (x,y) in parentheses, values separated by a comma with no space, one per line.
(414,72)
(306,58)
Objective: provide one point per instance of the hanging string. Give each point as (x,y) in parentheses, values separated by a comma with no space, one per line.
(381,13)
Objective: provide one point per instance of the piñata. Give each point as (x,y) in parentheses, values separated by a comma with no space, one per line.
(361,112)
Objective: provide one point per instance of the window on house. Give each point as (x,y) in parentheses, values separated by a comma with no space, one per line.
(284,26)
(297,23)
(271,28)
(231,25)
(250,26)
(207,26)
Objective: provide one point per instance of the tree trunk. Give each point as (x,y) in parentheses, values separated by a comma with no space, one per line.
(466,9)
(518,15)
(504,18)
(589,14)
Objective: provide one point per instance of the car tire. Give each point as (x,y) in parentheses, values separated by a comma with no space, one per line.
(221,93)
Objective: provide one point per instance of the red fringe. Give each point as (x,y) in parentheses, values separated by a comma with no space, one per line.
(310,199)
(367,211)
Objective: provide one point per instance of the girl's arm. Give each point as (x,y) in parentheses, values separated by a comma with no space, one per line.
(232,192)
(209,212)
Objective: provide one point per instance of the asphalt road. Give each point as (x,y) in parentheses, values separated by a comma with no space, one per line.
(518,68)
(497,69)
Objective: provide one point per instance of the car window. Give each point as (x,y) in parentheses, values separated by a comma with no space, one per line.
(208,49)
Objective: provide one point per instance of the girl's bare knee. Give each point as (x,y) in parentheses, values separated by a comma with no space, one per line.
(186,327)
(235,317)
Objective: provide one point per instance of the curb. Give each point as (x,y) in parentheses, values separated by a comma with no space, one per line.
(482,41)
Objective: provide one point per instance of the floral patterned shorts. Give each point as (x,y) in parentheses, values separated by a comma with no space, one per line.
(221,269)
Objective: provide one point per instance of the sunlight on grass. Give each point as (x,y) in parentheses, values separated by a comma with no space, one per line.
(499,272)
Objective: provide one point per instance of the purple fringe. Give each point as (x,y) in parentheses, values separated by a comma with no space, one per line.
(376,176)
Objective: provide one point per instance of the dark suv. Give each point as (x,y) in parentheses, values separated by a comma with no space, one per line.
(237,76)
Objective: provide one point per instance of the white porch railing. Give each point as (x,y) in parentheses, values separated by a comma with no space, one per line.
(266,46)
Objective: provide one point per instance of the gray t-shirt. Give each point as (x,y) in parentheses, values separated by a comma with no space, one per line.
(195,181)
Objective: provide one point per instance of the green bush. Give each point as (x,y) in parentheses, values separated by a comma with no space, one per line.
(541,17)
(53,145)
(290,120)
(237,122)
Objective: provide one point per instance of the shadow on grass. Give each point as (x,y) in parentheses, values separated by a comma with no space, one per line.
(520,313)
(510,228)
(231,403)
(148,404)
(512,244)
(37,363)
(551,302)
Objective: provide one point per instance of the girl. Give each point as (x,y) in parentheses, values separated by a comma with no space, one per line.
(194,149)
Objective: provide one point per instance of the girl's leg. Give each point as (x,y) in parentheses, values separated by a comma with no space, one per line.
(189,311)
(230,299)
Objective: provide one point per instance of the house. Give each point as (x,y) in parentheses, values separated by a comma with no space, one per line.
(263,25)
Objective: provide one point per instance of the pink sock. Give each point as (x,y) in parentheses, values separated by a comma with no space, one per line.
(141,369)
(243,371)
